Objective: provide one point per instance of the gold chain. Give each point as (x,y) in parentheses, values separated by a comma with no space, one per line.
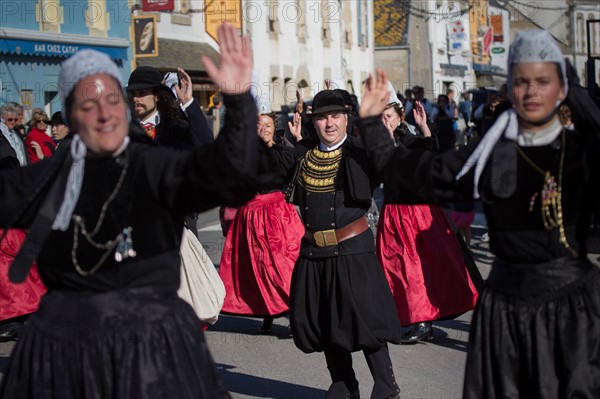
(551,196)
(79,226)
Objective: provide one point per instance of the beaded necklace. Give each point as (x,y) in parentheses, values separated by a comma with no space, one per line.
(122,242)
(551,195)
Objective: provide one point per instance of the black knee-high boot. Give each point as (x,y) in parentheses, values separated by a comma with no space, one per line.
(344,384)
(384,382)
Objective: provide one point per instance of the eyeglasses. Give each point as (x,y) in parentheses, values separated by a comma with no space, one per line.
(12,119)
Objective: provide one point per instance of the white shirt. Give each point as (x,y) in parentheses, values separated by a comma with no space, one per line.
(540,137)
(326,148)
(153,119)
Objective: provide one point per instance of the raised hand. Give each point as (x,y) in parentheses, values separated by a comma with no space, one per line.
(421,118)
(296,127)
(234,75)
(38,149)
(299,102)
(184,88)
(376,95)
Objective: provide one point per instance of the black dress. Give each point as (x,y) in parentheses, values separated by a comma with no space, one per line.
(339,295)
(123,332)
(536,330)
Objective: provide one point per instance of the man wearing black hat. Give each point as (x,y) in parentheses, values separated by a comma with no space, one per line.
(59,129)
(171,117)
(340,299)
(172,121)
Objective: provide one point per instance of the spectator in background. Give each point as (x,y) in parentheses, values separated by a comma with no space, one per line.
(39,144)
(451,97)
(444,117)
(9,117)
(418,95)
(217,107)
(504,102)
(485,113)
(59,129)
(20,127)
(465,107)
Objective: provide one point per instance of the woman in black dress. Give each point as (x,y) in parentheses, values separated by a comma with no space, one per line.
(536,330)
(106,234)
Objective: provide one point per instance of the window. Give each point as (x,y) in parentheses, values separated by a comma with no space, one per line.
(363,24)
(325,26)
(347,25)
(301,29)
(97,18)
(49,14)
(593,34)
(272,20)
(580,45)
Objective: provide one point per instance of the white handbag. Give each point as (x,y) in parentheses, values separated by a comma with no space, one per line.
(201,286)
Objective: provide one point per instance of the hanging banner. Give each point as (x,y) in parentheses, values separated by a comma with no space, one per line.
(496,22)
(458,35)
(217,12)
(158,5)
(487,40)
(145,40)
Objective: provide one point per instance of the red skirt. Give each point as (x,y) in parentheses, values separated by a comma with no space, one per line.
(424,264)
(23,298)
(260,252)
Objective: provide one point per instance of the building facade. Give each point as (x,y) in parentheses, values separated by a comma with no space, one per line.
(37,35)
(296,44)
(299,44)
(425,43)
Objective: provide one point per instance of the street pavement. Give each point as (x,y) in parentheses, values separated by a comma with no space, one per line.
(270,366)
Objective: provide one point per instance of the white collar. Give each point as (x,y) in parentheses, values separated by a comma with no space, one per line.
(545,136)
(324,147)
(154,119)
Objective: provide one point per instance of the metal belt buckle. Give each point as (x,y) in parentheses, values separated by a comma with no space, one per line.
(325,238)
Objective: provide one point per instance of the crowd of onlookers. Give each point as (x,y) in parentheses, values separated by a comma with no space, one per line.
(31,140)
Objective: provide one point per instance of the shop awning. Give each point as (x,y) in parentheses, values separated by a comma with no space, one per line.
(34,43)
(53,49)
(178,53)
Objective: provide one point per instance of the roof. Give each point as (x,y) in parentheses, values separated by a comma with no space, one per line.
(178,53)
(391,22)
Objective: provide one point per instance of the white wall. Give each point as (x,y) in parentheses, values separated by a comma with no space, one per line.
(286,57)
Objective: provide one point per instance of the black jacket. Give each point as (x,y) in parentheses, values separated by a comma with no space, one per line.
(8,156)
(191,133)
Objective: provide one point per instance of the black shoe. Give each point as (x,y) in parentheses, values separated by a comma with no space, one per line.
(339,390)
(10,331)
(267,325)
(419,332)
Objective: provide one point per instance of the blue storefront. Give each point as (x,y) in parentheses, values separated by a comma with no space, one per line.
(31,53)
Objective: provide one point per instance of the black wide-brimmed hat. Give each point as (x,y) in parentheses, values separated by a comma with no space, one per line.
(57,119)
(146,77)
(329,101)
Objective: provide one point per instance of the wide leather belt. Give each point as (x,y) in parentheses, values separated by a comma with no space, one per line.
(326,238)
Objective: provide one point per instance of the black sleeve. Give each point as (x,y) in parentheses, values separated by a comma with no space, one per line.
(416,176)
(413,141)
(199,130)
(8,157)
(16,185)
(223,173)
(285,158)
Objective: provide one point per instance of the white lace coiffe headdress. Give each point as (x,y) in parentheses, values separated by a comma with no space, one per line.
(393,98)
(528,46)
(73,70)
